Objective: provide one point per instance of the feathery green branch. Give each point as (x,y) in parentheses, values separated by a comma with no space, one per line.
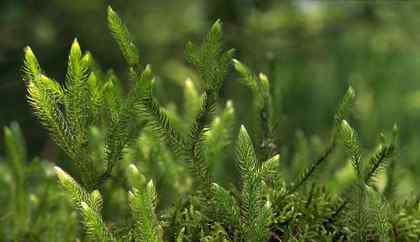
(96,229)
(142,201)
(255,213)
(123,38)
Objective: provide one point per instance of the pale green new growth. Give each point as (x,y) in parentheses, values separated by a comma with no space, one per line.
(252,213)
(245,153)
(142,201)
(95,227)
(77,193)
(270,167)
(31,66)
(77,93)
(70,111)
(123,38)
(44,94)
(256,213)
(180,237)
(260,87)
(191,100)
(351,142)
(209,59)
(96,201)
(134,177)
(89,205)
(259,84)
(344,108)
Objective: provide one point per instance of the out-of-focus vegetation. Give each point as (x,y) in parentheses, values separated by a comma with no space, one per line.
(311,51)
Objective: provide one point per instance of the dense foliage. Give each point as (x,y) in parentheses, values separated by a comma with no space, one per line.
(142,171)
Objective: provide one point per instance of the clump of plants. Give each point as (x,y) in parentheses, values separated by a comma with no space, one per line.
(146,172)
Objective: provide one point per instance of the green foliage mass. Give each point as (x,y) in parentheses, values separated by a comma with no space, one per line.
(142,171)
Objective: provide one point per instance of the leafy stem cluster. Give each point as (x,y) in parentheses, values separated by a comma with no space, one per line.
(100,128)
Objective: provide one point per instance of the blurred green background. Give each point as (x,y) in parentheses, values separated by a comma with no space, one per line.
(311,50)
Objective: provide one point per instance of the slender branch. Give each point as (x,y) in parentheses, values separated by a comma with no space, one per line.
(309,171)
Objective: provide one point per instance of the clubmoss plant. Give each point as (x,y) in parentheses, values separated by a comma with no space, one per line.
(146,172)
